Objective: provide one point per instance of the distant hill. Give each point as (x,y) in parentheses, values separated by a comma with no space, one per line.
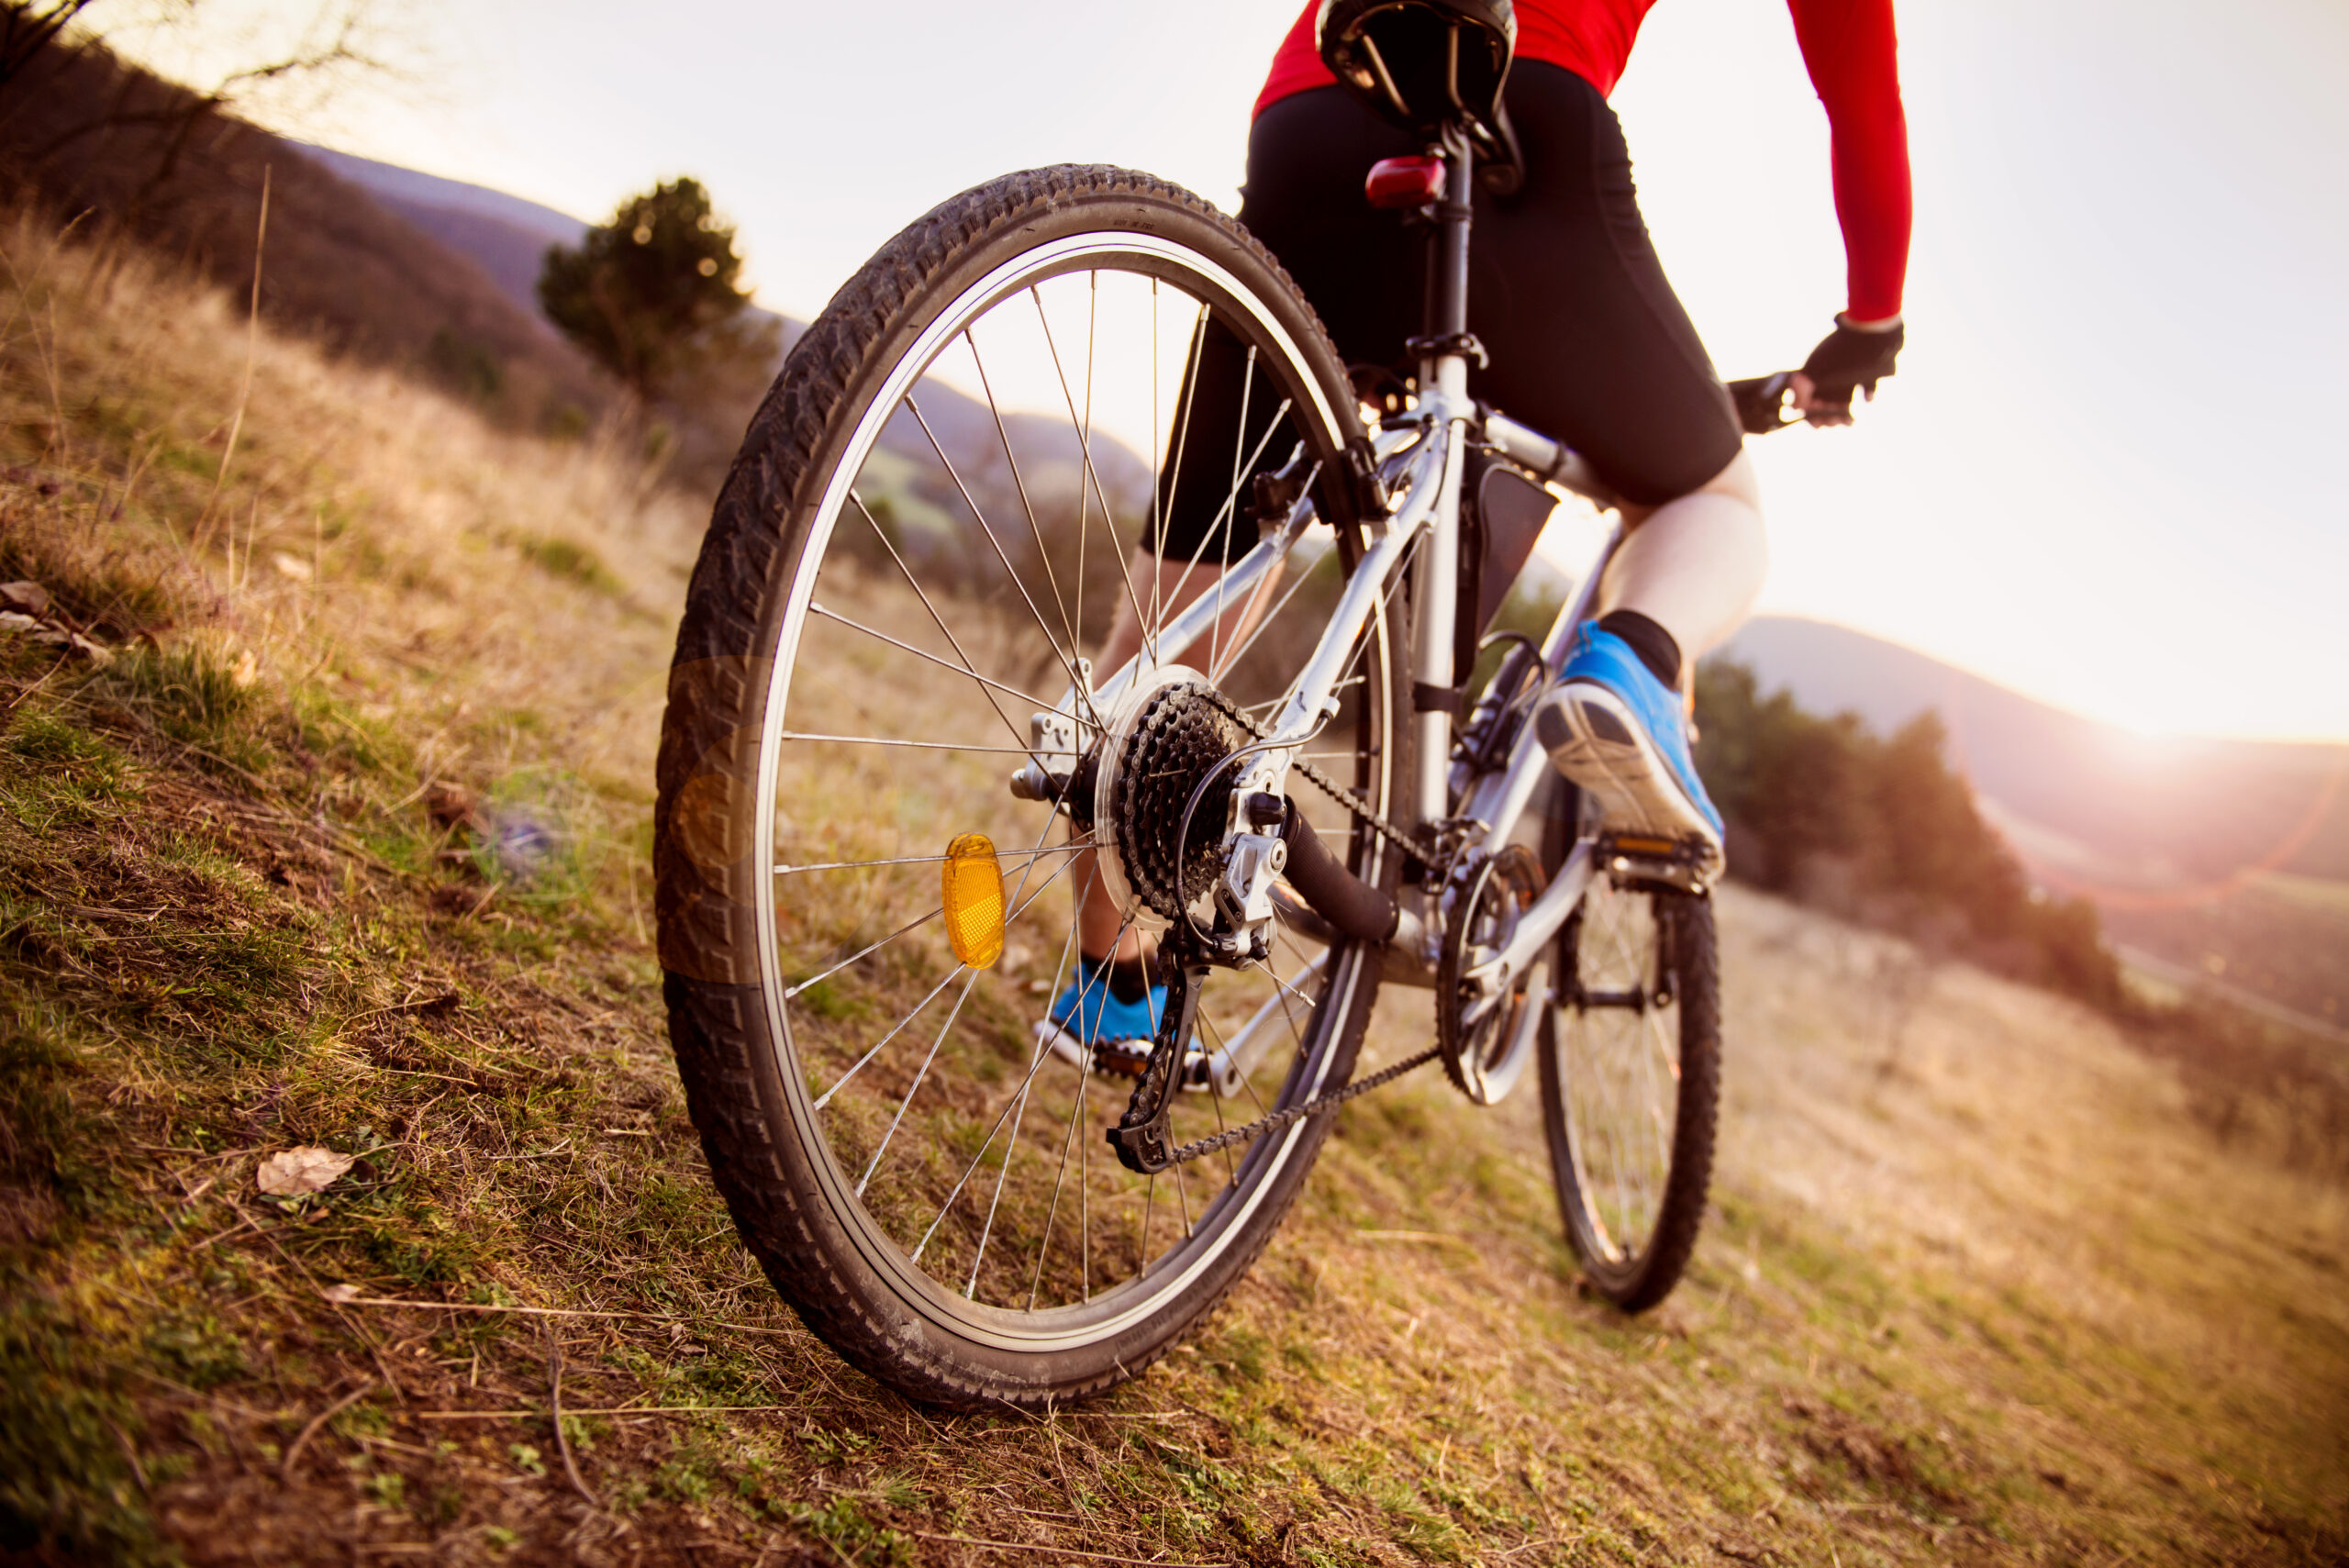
(506,236)
(115,149)
(2166,808)
(2227,857)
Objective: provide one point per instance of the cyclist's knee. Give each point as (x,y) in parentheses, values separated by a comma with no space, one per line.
(1737,481)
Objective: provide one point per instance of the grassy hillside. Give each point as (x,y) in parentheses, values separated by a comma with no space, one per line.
(127,153)
(342,844)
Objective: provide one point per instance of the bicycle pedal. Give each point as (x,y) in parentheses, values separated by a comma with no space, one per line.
(1688,864)
(1120,1058)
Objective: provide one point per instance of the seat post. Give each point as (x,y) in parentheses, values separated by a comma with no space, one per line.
(1452,234)
(1443,366)
(1447,294)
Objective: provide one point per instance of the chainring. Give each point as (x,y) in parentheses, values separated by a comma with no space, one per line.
(1485,1058)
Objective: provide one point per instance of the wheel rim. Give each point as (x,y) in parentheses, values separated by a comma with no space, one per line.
(936,1196)
(1618,1045)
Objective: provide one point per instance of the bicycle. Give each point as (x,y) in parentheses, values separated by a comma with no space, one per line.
(866,635)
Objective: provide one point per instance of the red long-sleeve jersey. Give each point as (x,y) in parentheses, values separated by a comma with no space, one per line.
(1852,55)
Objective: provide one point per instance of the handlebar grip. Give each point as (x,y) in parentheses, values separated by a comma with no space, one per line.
(1760,403)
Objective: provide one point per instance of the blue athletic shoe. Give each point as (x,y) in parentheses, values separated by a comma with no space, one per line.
(1120,1032)
(1612,728)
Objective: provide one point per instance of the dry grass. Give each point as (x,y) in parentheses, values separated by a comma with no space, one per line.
(1979,1289)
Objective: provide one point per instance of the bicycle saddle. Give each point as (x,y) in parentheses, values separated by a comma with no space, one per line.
(1423,64)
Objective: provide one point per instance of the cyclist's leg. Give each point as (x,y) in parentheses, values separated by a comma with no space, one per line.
(1306,157)
(1693,565)
(1591,344)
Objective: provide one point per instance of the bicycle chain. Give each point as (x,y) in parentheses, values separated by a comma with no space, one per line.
(1185,1153)
(1280,1118)
(1328,785)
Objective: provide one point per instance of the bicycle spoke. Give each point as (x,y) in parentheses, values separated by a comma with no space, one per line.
(1011,1144)
(1067,657)
(1174,481)
(1085,442)
(919,1077)
(1149,1202)
(1239,440)
(825,1097)
(1088,476)
(786,869)
(1231,1169)
(936,619)
(1018,1098)
(916,745)
(1221,526)
(1183,1193)
(1270,703)
(1076,1109)
(1035,529)
(1276,980)
(1218,670)
(913,925)
(815,608)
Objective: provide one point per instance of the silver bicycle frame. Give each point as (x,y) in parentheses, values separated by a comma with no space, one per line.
(1422,466)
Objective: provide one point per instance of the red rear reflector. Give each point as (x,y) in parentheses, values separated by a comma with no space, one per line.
(1404,182)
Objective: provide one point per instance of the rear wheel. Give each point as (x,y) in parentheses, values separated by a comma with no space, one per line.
(1630,1084)
(922,541)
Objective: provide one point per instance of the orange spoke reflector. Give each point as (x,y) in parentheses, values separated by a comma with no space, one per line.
(970,885)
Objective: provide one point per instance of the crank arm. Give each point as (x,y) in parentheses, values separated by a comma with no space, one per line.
(1539,924)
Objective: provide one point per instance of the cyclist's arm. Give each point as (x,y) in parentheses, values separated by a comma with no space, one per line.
(1850,50)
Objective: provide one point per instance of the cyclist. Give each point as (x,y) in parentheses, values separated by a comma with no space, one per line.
(1589,344)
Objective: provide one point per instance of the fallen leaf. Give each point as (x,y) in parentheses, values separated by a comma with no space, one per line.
(245,670)
(30,598)
(339,1294)
(291,1172)
(16,620)
(292,566)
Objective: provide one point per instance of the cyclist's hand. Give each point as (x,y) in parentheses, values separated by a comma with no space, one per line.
(1851,358)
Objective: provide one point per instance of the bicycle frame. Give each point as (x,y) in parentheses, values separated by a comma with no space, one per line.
(1420,464)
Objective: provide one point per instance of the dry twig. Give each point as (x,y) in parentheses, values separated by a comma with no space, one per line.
(294,1450)
(554,1407)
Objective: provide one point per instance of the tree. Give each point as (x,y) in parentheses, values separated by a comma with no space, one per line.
(652,295)
(1803,792)
(29,27)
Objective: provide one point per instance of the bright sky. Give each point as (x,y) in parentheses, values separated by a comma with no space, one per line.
(2100,477)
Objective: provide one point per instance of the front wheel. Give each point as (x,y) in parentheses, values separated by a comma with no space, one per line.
(1630,1084)
(921,545)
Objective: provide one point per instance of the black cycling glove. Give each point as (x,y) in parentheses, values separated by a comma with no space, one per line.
(1849,359)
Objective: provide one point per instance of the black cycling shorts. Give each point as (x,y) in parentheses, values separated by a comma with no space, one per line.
(1589,342)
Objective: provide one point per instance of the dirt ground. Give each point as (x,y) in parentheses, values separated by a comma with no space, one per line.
(1976,1287)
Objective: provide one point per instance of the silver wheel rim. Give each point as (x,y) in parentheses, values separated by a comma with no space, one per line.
(1620,1077)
